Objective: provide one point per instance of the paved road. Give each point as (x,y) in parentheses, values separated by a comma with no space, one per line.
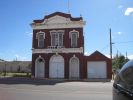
(21,89)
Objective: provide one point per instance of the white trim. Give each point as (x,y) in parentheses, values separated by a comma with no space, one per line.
(70,61)
(56,56)
(57,31)
(74,24)
(70,36)
(39,33)
(58,50)
(39,39)
(74,57)
(77,36)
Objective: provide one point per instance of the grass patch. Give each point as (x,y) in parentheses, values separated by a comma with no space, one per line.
(9,74)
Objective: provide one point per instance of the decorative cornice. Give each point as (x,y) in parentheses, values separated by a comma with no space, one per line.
(58,50)
(76,24)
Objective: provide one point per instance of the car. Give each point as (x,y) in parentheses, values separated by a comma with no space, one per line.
(123,83)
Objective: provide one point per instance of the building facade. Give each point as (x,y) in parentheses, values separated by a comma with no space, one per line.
(58,50)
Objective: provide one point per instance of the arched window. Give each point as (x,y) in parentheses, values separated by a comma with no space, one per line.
(74,38)
(40,36)
(39,67)
(74,67)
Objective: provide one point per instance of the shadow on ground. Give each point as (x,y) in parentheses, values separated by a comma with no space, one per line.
(20,80)
(24,80)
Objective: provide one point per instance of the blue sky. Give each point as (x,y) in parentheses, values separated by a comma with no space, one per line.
(100,15)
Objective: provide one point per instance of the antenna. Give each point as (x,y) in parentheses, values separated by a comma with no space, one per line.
(80,15)
(68,6)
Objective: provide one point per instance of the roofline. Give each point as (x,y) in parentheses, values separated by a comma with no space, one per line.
(60,14)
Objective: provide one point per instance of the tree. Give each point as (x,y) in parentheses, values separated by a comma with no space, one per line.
(119,61)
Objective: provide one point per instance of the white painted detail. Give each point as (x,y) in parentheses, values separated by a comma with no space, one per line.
(73,31)
(56,69)
(74,68)
(76,36)
(58,25)
(59,50)
(56,19)
(96,69)
(39,68)
(57,31)
(58,22)
(55,47)
(40,32)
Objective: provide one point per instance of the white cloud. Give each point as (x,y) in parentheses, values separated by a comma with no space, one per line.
(119,33)
(20,58)
(29,34)
(107,55)
(130,57)
(23,59)
(86,54)
(128,11)
(17,56)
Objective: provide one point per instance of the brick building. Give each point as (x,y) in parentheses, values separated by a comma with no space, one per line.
(58,50)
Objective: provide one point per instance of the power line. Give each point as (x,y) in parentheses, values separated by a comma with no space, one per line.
(123,42)
(105,47)
(117,49)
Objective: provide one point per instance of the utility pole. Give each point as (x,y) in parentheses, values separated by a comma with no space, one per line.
(110,44)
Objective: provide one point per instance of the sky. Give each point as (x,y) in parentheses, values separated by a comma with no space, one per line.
(100,15)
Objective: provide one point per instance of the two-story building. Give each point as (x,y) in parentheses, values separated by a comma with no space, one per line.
(58,50)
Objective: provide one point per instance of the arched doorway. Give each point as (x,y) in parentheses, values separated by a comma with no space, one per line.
(74,67)
(56,69)
(39,68)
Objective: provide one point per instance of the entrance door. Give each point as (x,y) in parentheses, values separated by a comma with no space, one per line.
(74,68)
(39,68)
(56,67)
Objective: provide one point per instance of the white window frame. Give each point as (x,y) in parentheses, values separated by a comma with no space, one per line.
(37,37)
(57,32)
(77,36)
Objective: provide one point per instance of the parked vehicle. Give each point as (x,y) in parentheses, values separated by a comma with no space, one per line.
(123,83)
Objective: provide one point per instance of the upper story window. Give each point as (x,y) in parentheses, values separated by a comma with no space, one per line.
(40,36)
(57,38)
(74,38)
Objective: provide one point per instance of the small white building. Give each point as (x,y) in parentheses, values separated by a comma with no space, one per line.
(15,66)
